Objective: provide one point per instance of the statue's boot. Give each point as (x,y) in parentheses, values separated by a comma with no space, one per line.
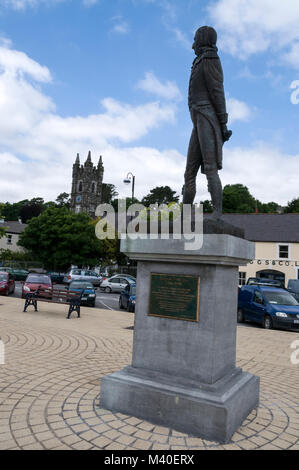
(215,189)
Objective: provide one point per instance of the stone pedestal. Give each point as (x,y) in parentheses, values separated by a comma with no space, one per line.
(183,374)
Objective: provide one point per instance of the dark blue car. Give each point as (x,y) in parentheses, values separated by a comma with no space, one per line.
(269,306)
(89,295)
(127,298)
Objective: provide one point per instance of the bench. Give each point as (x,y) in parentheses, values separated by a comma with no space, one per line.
(58,296)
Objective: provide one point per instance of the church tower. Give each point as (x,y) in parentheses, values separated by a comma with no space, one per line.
(87,186)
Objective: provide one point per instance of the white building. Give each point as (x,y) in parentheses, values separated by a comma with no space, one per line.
(276,238)
(13,230)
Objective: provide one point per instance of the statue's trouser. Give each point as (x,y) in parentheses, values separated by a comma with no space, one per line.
(196,157)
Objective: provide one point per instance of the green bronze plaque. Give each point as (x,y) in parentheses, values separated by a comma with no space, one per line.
(174,296)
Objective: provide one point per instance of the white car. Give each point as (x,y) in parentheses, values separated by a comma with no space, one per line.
(116,283)
(76,274)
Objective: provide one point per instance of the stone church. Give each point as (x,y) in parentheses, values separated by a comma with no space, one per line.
(87,186)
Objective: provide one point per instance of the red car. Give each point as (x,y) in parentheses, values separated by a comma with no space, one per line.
(33,281)
(7,283)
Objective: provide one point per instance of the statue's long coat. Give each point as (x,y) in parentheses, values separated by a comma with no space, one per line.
(208,110)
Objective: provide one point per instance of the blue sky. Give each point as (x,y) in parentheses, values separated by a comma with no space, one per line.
(111,76)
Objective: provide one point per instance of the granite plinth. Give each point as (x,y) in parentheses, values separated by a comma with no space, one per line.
(183,374)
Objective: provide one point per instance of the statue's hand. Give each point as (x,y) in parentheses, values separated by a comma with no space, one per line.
(226,134)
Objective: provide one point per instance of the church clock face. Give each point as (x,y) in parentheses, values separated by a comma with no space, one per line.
(78,199)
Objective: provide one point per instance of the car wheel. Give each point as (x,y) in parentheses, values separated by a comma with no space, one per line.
(240,316)
(267,322)
(108,289)
(120,303)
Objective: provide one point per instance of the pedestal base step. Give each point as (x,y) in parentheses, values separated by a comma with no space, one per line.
(212,413)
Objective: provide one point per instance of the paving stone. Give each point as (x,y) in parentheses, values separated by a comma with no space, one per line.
(52,400)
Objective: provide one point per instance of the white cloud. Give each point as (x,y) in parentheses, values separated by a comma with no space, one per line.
(253,26)
(17,63)
(151,84)
(269,174)
(120,25)
(37,139)
(237,110)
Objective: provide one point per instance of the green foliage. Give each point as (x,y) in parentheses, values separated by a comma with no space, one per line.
(160,195)
(129,202)
(59,238)
(63,200)
(8,255)
(237,199)
(292,206)
(109,192)
(207,206)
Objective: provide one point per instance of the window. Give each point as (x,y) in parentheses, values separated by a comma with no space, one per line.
(93,187)
(283,251)
(258,298)
(80,186)
(242,279)
(9,239)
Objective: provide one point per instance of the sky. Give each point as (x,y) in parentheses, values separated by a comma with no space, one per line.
(111,76)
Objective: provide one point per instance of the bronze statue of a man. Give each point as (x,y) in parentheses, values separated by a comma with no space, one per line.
(208,113)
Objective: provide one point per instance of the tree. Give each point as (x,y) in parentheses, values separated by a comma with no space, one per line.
(109,192)
(207,206)
(2,229)
(237,199)
(28,211)
(292,206)
(59,238)
(129,202)
(63,200)
(160,195)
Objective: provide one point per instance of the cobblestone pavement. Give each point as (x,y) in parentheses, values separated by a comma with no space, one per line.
(50,384)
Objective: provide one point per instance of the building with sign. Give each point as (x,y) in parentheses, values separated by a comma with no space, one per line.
(87,186)
(276,238)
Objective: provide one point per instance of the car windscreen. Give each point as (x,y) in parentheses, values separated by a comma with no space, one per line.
(3,277)
(37,279)
(280,298)
(81,285)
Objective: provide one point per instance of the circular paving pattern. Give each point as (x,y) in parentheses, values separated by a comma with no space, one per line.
(50,387)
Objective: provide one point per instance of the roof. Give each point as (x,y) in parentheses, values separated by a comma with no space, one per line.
(13,226)
(263,288)
(267,227)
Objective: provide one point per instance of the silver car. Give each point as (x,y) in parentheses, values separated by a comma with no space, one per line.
(116,283)
(76,274)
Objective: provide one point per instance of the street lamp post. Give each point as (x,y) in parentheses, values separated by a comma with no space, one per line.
(130,179)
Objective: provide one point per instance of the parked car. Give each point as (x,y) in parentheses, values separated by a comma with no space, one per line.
(89,295)
(127,298)
(34,280)
(125,276)
(116,283)
(56,278)
(261,281)
(269,306)
(76,274)
(18,274)
(7,283)
(293,288)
